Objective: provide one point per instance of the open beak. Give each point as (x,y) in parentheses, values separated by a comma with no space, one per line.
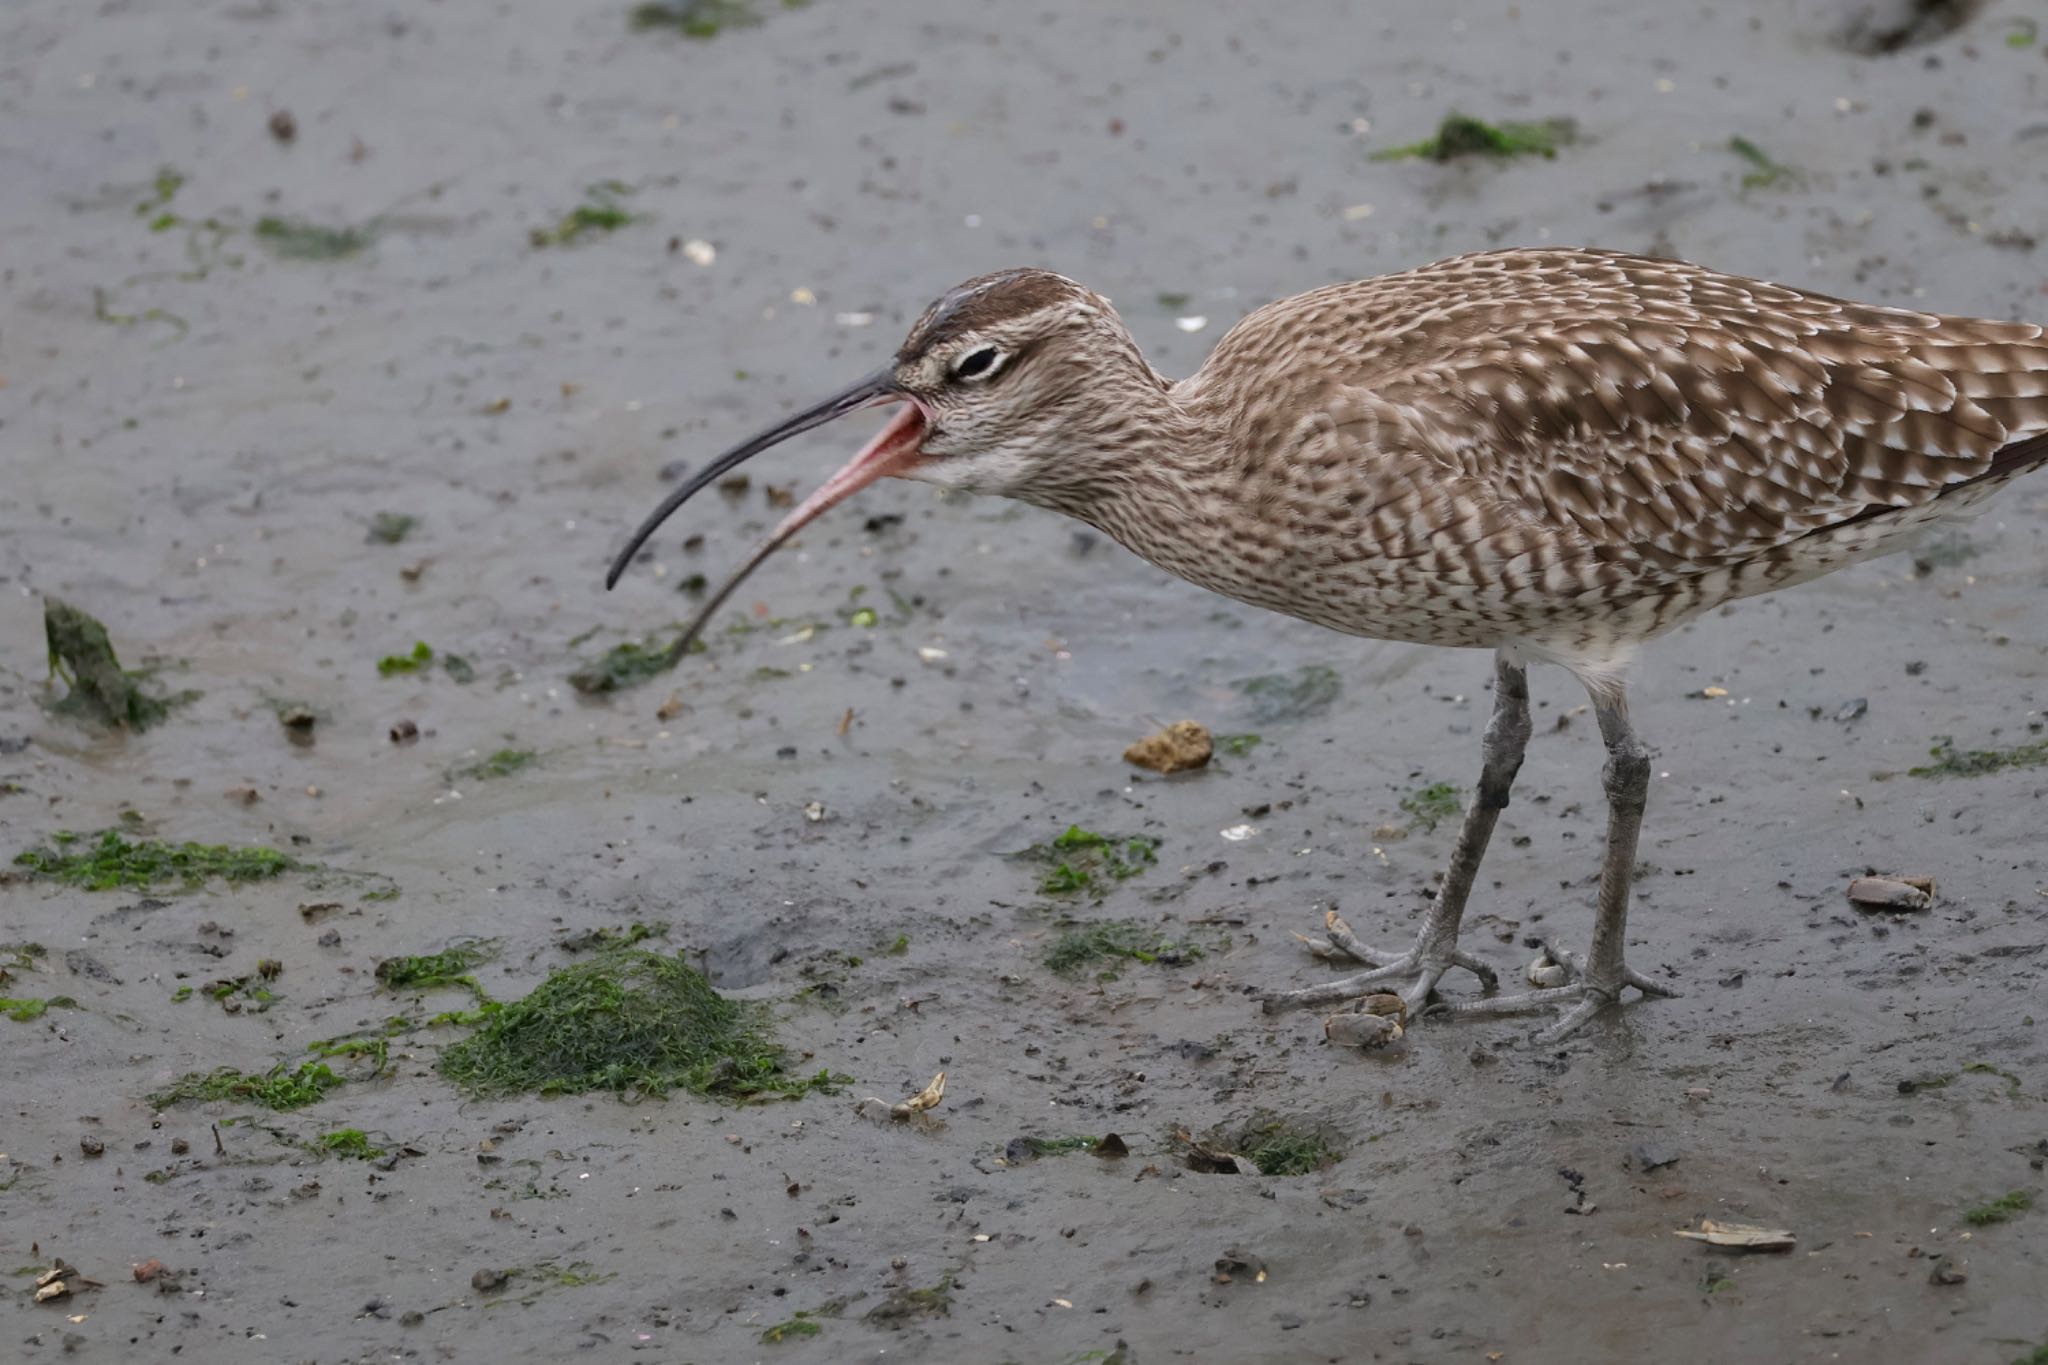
(894,449)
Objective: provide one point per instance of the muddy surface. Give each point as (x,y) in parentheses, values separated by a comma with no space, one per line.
(201,424)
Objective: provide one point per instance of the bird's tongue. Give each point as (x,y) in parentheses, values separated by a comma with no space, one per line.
(893,450)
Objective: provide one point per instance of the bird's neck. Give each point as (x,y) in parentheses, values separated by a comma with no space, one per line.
(1149,468)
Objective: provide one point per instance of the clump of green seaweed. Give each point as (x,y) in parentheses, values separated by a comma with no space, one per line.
(110,861)
(23,1009)
(1950,761)
(1461,135)
(632,1022)
(1305,692)
(1086,945)
(1276,1145)
(279,1088)
(1428,807)
(452,966)
(1079,857)
(2003,1209)
(627,665)
(389,528)
(700,19)
(503,763)
(1764,172)
(600,211)
(99,688)
(295,239)
(352,1143)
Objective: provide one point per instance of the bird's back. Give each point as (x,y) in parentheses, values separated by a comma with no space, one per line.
(1570,430)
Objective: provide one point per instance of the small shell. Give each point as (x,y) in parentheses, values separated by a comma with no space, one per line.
(927,1098)
(1748,1236)
(1546,972)
(1385,1003)
(1362,1030)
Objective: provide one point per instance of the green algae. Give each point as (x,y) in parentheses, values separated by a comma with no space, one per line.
(279,1088)
(1427,807)
(1460,135)
(1109,941)
(631,1022)
(99,689)
(110,862)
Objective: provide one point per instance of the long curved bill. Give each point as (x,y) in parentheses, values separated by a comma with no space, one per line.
(894,448)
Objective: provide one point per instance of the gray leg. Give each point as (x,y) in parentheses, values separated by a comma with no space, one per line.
(1436,947)
(1599,980)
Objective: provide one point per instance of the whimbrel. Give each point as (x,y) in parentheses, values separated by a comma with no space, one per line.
(1557,455)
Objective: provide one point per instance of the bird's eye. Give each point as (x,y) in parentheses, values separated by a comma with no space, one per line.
(976,363)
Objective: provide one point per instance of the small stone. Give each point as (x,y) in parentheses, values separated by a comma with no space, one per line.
(486,1280)
(411,1317)
(283,126)
(145,1271)
(1649,1155)
(91,1145)
(1946,1271)
(405,732)
(179,1146)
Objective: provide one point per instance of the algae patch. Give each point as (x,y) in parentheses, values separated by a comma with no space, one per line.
(2003,1209)
(1274,1145)
(297,240)
(503,763)
(1307,691)
(99,688)
(628,1021)
(700,19)
(277,1088)
(1461,135)
(1428,807)
(600,211)
(1079,858)
(1763,172)
(802,1325)
(449,967)
(352,1143)
(389,528)
(1950,761)
(23,1010)
(626,665)
(1116,940)
(110,862)
(391,665)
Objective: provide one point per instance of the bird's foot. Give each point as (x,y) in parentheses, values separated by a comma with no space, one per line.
(1561,979)
(1421,967)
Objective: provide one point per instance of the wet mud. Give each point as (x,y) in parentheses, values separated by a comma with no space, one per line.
(329,333)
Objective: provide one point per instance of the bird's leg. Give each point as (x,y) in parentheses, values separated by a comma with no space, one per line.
(1436,947)
(1597,983)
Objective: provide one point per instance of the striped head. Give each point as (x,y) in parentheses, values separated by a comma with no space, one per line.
(1021,383)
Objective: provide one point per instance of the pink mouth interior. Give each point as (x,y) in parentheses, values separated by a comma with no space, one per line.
(893,450)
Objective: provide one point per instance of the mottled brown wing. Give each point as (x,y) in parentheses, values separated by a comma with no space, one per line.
(1680,419)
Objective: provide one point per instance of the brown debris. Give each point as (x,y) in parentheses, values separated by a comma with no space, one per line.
(1239,1264)
(1180,746)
